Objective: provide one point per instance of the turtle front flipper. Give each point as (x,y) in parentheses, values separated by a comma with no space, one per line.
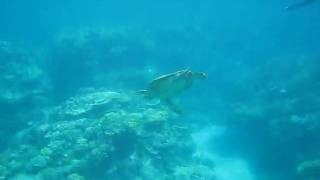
(173,106)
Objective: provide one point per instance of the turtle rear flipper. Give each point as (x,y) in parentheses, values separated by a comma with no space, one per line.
(173,106)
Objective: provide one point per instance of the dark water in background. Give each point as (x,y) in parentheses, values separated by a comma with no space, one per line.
(265,24)
(259,104)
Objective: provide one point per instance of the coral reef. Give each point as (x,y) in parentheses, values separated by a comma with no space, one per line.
(199,172)
(309,169)
(89,103)
(21,90)
(274,122)
(268,108)
(106,134)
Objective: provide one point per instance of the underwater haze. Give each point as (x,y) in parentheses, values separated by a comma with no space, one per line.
(160,90)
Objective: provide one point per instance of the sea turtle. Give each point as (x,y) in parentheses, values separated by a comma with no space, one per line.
(168,86)
(299,4)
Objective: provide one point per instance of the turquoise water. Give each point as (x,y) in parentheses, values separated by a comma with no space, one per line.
(232,90)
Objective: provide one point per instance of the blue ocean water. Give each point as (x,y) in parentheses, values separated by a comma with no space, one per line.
(230,90)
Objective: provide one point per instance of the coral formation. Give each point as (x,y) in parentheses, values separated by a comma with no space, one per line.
(3,172)
(21,90)
(199,172)
(268,108)
(274,122)
(122,140)
(309,169)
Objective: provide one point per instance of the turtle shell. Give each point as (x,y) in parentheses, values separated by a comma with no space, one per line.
(170,85)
